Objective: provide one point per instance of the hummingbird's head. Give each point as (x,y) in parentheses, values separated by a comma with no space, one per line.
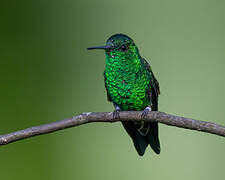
(119,46)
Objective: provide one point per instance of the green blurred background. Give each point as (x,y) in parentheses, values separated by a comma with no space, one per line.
(47,75)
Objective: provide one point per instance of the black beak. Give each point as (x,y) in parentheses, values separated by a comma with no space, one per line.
(99,47)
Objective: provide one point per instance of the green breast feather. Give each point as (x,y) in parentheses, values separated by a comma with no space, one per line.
(127,83)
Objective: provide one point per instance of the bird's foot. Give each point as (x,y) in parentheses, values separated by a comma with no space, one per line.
(145,112)
(116,114)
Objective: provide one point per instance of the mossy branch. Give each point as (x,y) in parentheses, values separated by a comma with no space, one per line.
(91,117)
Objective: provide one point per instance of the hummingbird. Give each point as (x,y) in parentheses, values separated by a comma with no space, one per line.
(131,86)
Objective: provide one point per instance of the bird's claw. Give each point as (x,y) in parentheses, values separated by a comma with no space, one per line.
(145,112)
(116,114)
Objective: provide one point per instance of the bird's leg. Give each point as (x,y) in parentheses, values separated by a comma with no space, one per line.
(145,112)
(142,129)
(116,112)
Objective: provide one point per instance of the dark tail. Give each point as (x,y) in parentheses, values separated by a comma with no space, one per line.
(141,142)
(153,137)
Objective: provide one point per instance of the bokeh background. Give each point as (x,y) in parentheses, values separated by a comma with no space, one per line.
(47,75)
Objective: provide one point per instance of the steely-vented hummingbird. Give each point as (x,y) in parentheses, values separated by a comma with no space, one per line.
(131,85)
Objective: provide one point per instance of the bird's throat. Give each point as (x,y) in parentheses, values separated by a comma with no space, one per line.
(122,67)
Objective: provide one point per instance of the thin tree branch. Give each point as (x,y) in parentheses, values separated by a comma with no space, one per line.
(91,117)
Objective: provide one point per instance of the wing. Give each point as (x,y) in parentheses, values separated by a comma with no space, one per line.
(154,89)
(153,93)
(108,96)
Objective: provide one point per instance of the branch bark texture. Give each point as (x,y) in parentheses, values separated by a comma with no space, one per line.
(91,117)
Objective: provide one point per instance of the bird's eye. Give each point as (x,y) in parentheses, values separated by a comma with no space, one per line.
(123,48)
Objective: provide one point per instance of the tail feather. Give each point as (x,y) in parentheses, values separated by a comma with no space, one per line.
(141,142)
(152,137)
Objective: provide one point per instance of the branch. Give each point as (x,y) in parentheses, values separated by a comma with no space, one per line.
(91,117)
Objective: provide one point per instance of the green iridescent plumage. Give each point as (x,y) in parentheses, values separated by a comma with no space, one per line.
(131,85)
